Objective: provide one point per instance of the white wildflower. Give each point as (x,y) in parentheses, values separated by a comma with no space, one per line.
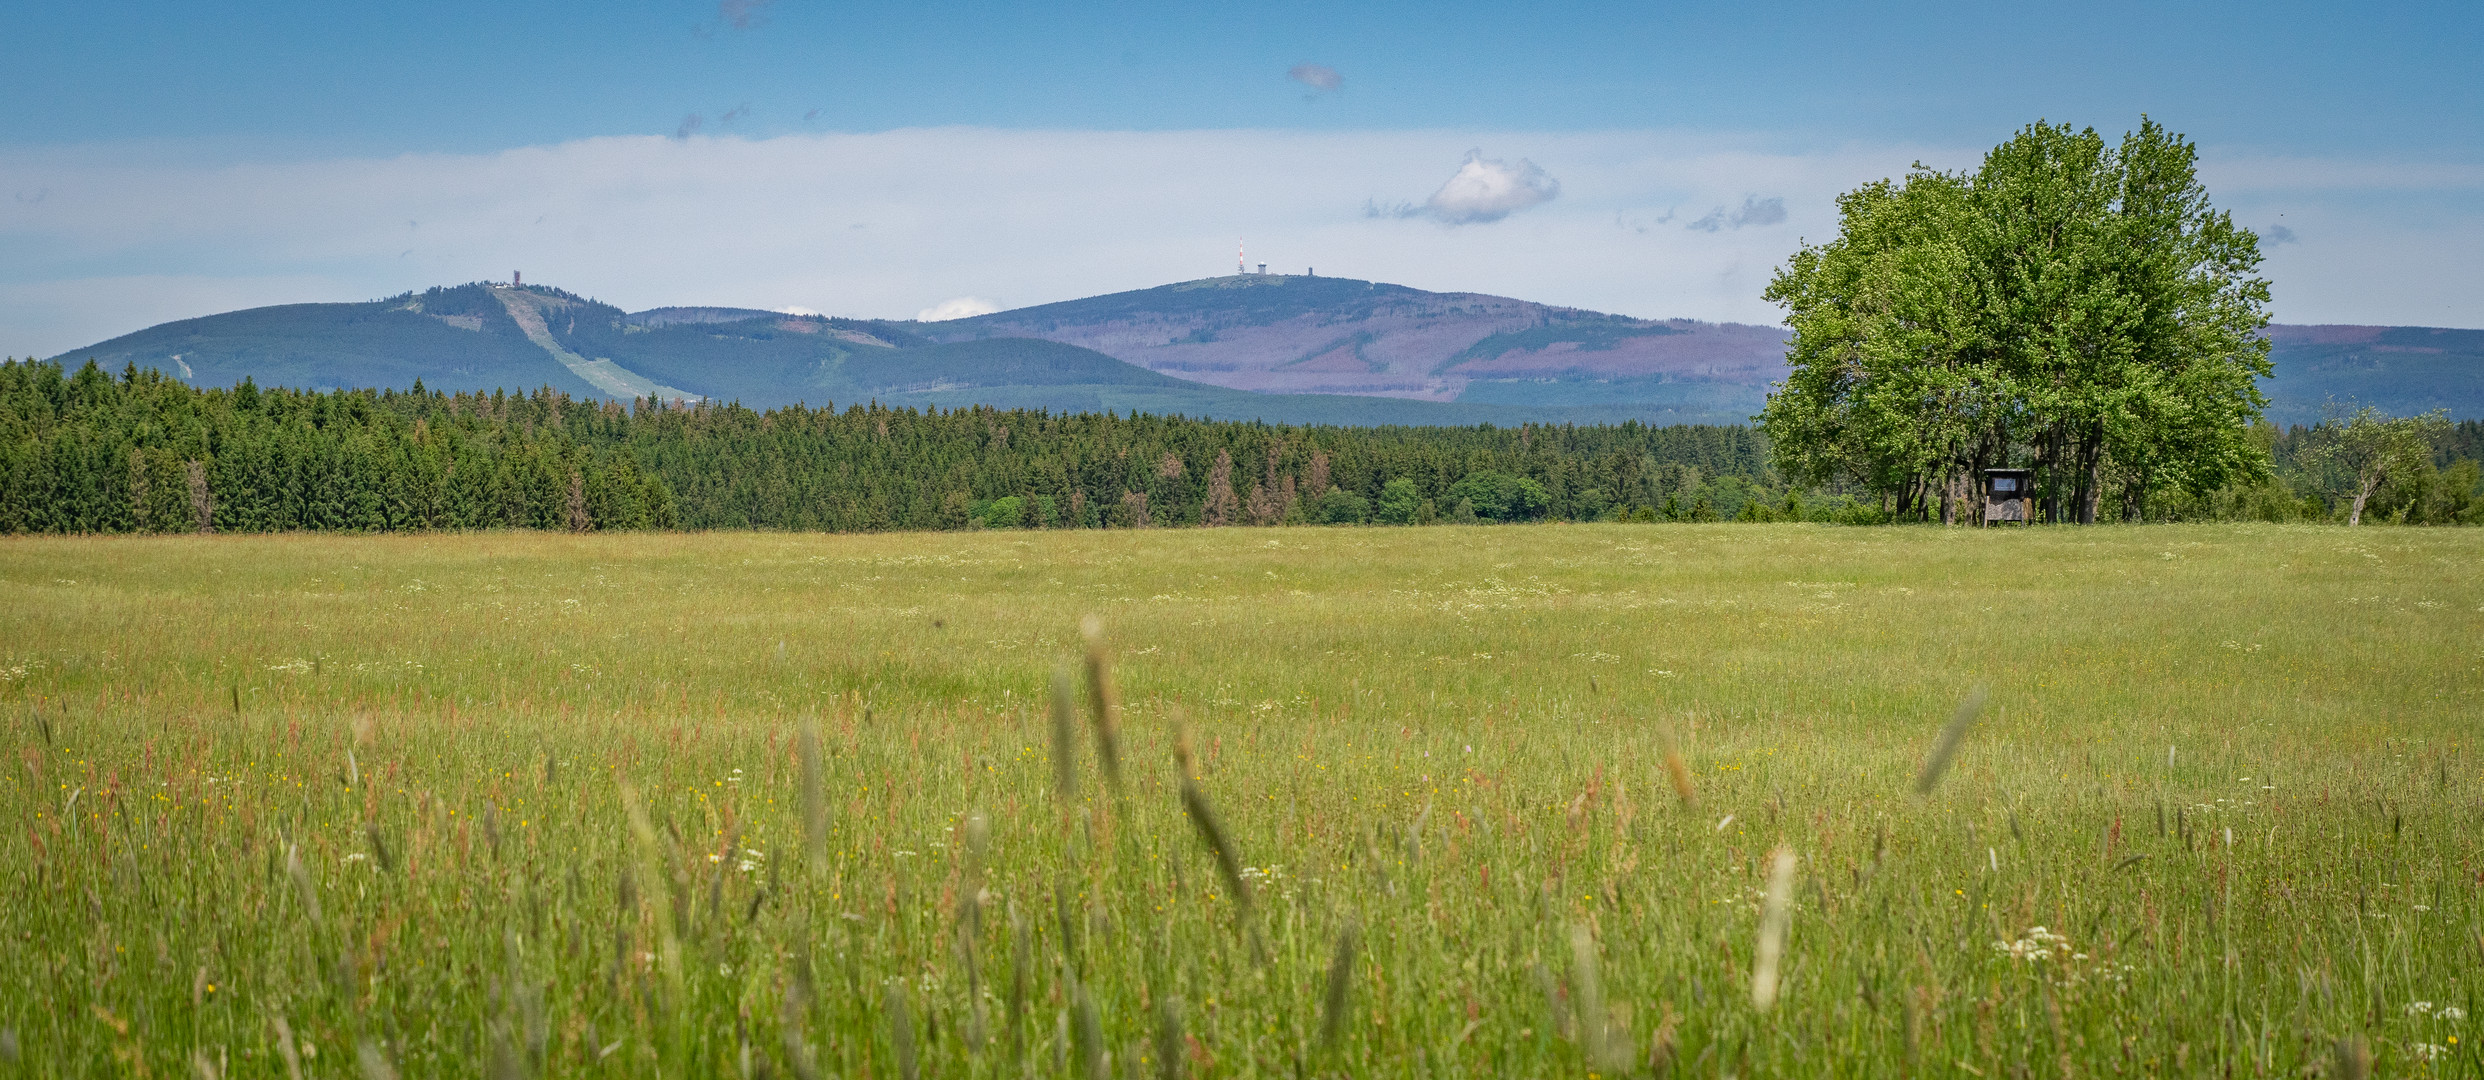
(2039,943)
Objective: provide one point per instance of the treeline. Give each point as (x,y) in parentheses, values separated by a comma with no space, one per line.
(90,452)
(2445,487)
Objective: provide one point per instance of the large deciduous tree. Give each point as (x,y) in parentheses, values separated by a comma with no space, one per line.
(2070,305)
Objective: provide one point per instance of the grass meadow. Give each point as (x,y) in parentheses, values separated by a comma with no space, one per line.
(1562,800)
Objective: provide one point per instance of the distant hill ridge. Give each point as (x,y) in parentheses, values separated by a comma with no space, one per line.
(1283,332)
(1283,348)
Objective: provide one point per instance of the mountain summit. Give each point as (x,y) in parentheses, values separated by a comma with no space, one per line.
(1303,334)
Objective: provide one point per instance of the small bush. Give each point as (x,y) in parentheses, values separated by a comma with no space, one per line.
(1340,507)
(1002,513)
(1498,496)
(1401,503)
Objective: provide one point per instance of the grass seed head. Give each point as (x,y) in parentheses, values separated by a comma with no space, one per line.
(302,884)
(1064,739)
(2351,1059)
(1775,912)
(1212,832)
(1103,699)
(1185,762)
(1340,982)
(1587,999)
(1021,956)
(814,797)
(1556,1010)
(285,1048)
(1946,747)
(380,855)
(374,1061)
(1169,1043)
(901,1030)
(1093,1062)
(1677,771)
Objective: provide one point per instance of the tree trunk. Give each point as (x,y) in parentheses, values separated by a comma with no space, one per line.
(2363,493)
(2048,458)
(2091,487)
(2087,485)
(1949,500)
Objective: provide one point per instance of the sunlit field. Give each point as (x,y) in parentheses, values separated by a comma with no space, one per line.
(1499,802)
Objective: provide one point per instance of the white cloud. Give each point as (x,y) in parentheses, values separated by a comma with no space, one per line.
(1487,189)
(105,240)
(964,307)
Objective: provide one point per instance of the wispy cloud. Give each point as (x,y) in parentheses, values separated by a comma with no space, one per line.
(1482,190)
(1321,78)
(1623,220)
(690,125)
(963,307)
(1760,212)
(743,14)
(1755,211)
(2279,234)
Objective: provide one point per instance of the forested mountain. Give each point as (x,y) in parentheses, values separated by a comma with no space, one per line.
(1281,348)
(2402,370)
(494,337)
(1296,333)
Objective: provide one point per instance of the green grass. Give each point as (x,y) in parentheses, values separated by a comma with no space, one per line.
(1450,739)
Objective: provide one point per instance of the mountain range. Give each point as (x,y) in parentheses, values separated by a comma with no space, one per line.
(1280,348)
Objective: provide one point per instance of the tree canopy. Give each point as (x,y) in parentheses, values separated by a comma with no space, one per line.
(87,451)
(2072,306)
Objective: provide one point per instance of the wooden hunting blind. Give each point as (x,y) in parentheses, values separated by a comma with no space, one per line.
(2007,494)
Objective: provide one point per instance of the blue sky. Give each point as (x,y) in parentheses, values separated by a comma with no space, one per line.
(2359,129)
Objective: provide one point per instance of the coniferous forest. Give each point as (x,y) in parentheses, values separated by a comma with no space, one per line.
(88,451)
(92,452)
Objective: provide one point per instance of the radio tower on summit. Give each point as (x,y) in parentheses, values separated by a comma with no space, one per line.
(1239,266)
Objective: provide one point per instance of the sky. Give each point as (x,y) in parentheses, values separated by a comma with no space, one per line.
(164,161)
